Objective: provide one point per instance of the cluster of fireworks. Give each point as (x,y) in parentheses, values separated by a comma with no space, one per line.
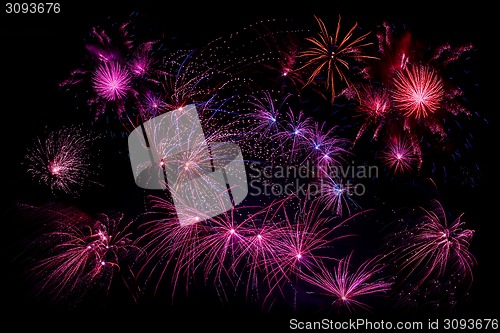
(275,92)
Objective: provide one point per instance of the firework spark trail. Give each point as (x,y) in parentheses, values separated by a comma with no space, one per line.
(434,248)
(334,54)
(61,161)
(374,105)
(444,57)
(446,54)
(188,80)
(346,286)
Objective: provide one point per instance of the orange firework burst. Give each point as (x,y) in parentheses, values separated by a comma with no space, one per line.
(335,54)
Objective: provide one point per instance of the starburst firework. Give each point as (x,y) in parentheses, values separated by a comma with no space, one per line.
(62,161)
(418,91)
(334,55)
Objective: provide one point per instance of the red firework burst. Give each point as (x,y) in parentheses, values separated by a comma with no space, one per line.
(374,105)
(417,91)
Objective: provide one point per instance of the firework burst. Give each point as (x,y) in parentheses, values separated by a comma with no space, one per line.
(334,55)
(399,155)
(419,88)
(418,91)
(62,161)
(302,243)
(349,287)
(434,249)
(84,257)
(119,70)
(325,148)
(169,245)
(265,115)
(111,81)
(293,136)
(335,194)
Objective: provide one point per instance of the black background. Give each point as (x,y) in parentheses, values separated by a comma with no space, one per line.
(38,51)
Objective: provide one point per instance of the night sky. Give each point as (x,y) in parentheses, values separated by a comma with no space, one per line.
(40,51)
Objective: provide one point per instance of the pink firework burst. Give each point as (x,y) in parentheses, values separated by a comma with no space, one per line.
(435,249)
(84,256)
(258,250)
(399,155)
(119,67)
(111,81)
(305,234)
(348,286)
(221,246)
(170,247)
